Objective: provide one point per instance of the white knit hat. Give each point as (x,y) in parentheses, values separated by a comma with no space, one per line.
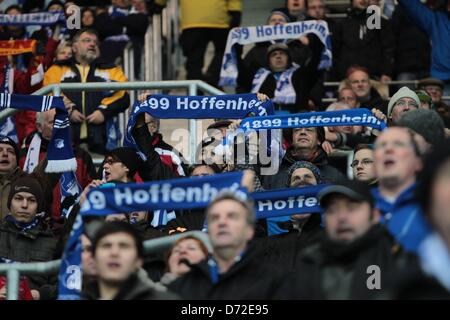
(403,92)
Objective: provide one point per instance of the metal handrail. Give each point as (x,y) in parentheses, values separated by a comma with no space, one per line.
(13,270)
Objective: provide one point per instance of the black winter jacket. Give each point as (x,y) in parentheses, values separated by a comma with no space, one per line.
(34,245)
(134,288)
(247,279)
(356,44)
(412,45)
(330,270)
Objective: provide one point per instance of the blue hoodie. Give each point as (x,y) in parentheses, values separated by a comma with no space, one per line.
(403,218)
(437,25)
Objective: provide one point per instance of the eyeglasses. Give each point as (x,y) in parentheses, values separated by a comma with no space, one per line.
(403,103)
(364,163)
(110,161)
(347,99)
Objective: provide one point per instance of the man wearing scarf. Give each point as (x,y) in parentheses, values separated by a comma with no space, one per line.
(24,235)
(338,266)
(305,145)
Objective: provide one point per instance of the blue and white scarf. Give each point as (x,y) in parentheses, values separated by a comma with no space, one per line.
(248,35)
(68,181)
(353,117)
(284,91)
(233,106)
(185,193)
(31,19)
(286,202)
(8,126)
(24,226)
(60,153)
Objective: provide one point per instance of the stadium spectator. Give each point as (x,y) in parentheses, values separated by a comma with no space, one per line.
(305,144)
(34,151)
(363,164)
(63,51)
(118,255)
(425,100)
(427,126)
(9,170)
(285,83)
(433,194)
(25,236)
(337,106)
(357,44)
(397,162)
(203,22)
(89,111)
(87,18)
(185,252)
(189,220)
(337,266)
(297,9)
(436,24)
(305,52)
(412,48)
(401,102)
(288,236)
(434,87)
(348,96)
(234,271)
(121,164)
(368,97)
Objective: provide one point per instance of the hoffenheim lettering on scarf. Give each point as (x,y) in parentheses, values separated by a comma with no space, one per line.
(32,19)
(185,193)
(176,194)
(232,106)
(247,35)
(59,152)
(286,202)
(353,117)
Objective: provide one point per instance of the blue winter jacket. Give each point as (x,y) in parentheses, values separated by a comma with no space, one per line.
(403,218)
(437,25)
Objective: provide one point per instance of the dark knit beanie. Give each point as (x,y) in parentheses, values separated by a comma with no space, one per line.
(11,142)
(303,164)
(128,156)
(425,122)
(27,184)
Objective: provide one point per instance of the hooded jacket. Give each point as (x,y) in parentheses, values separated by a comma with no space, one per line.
(403,218)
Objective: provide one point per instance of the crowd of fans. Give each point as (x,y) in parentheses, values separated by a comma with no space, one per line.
(392,212)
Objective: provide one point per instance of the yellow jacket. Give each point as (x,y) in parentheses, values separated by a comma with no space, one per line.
(207,13)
